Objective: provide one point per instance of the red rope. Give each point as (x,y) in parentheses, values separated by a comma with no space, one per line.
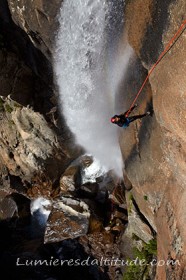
(169,45)
(167,48)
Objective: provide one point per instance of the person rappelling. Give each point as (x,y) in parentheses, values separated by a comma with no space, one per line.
(124,120)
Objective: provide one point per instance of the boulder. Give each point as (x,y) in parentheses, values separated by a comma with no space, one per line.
(69,218)
(89,190)
(8,208)
(70,180)
(28,145)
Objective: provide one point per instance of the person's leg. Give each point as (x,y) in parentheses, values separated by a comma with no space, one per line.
(133,118)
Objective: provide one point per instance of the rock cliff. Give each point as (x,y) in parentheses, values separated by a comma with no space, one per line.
(154,149)
(30,119)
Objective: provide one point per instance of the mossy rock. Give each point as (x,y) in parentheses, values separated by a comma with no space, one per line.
(147,254)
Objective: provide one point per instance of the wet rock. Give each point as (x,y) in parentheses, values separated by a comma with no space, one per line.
(117,196)
(127,183)
(95,224)
(118,228)
(86,161)
(90,169)
(41,186)
(8,208)
(100,214)
(23,205)
(89,190)
(101,246)
(108,181)
(118,222)
(107,184)
(120,215)
(38,20)
(69,218)
(70,180)
(14,72)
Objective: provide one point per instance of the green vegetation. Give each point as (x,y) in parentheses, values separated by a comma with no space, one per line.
(139,267)
(130,203)
(151,247)
(8,108)
(145,197)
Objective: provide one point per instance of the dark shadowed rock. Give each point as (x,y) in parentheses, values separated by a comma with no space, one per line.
(8,208)
(38,19)
(89,190)
(102,246)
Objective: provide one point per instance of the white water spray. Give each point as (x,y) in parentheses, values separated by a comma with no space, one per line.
(82,76)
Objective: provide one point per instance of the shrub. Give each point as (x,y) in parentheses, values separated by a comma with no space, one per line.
(137,271)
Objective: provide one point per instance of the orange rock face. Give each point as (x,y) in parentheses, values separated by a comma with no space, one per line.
(154,148)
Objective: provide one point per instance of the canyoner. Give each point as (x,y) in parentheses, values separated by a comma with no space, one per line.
(123,120)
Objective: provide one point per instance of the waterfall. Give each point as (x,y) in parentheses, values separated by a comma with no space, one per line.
(81,64)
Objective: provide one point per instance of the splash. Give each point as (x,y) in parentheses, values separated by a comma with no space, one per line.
(39,211)
(81,67)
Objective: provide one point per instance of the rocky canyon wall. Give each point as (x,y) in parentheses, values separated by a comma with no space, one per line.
(154,149)
(29,98)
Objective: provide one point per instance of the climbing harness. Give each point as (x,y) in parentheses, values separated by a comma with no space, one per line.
(165,51)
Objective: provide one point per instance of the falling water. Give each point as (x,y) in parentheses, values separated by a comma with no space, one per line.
(82,74)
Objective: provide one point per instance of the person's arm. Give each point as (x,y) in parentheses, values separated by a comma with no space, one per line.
(135,105)
(124,114)
(127,113)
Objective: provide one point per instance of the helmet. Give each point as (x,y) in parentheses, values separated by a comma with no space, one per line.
(112,120)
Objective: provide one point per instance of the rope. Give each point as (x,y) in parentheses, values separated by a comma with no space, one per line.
(167,48)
